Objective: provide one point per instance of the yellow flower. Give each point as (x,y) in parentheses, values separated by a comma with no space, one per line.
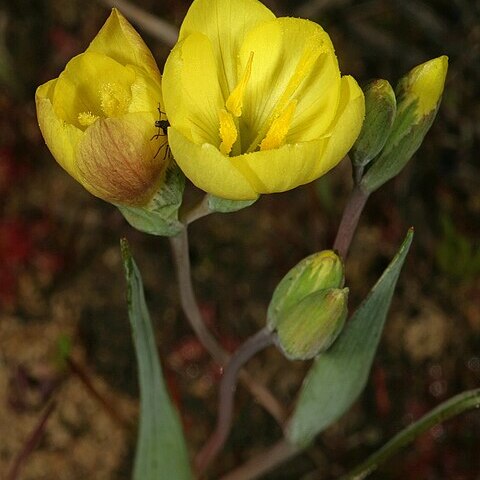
(98,117)
(256,103)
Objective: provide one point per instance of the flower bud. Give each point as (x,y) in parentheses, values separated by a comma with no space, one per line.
(312,325)
(380,108)
(316,272)
(98,117)
(418,98)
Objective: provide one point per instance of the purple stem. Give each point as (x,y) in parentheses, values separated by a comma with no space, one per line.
(348,224)
(31,443)
(245,352)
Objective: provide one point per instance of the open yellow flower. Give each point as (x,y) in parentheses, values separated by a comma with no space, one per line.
(98,117)
(256,103)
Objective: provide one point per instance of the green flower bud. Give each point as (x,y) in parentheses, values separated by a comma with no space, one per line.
(315,272)
(380,108)
(419,95)
(313,324)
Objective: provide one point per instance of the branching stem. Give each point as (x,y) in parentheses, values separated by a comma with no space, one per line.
(187,297)
(198,211)
(192,311)
(245,352)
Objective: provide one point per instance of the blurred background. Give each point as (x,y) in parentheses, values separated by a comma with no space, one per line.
(64,332)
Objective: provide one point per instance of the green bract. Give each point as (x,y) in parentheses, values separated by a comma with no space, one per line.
(315,272)
(380,108)
(309,307)
(418,97)
(310,326)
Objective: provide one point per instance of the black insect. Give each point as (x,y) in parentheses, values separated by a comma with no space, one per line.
(162,126)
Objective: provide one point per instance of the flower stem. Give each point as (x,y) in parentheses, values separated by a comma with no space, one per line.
(198,211)
(194,316)
(358,173)
(245,352)
(187,297)
(264,462)
(348,224)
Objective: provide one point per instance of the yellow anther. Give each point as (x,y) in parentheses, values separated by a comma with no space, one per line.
(114,99)
(234,101)
(228,131)
(311,52)
(85,119)
(277,132)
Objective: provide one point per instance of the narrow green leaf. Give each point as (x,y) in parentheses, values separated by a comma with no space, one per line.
(448,409)
(161,450)
(339,375)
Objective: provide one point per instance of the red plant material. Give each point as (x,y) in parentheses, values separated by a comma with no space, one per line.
(11,170)
(15,243)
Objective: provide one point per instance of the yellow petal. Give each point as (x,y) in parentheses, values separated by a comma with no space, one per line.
(191,90)
(281,169)
(118,40)
(209,169)
(293,59)
(116,159)
(79,86)
(296,164)
(345,127)
(61,138)
(146,93)
(225,23)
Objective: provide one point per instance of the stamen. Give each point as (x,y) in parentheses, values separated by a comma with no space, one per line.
(234,101)
(114,99)
(277,132)
(311,52)
(85,119)
(310,55)
(228,131)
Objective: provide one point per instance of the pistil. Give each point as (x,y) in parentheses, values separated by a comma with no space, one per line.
(282,111)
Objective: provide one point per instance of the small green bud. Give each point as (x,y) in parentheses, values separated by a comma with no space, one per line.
(316,272)
(419,94)
(380,108)
(313,324)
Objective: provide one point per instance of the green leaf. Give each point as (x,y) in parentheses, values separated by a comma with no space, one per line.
(161,450)
(222,205)
(448,409)
(339,375)
(160,216)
